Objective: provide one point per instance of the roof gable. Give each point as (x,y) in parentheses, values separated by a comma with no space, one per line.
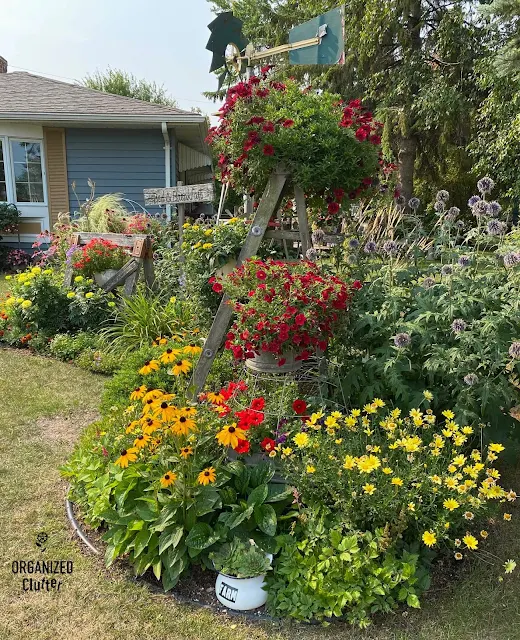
(28,94)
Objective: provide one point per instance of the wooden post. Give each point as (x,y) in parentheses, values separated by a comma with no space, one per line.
(268,205)
(303,223)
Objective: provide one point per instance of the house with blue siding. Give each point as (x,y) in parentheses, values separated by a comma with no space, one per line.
(55,137)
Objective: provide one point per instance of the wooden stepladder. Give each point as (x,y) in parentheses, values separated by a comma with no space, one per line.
(141,256)
(277,186)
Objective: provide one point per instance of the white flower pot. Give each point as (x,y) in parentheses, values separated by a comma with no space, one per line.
(241,594)
(104,276)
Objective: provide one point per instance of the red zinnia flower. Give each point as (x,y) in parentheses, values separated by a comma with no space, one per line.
(217,287)
(268,444)
(299,407)
(261,275)
(268,150)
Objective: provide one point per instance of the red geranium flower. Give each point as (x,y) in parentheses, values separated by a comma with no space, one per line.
(268,444)
(243,446)
(299,407)
(268,150)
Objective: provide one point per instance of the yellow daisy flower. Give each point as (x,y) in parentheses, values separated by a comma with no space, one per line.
(207,476)
(192,349)
(181,366)
(186,452)
(149,367)
(429,538)
(141,441)
(231,435)
(127,455)
(168,478)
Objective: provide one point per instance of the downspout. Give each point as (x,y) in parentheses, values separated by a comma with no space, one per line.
(167,164)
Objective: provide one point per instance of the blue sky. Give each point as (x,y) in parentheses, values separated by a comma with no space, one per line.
(160,40)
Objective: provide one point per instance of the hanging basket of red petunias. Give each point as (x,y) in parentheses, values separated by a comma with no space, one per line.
(288,311)
(330,148)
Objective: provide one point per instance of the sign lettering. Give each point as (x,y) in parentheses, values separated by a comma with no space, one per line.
(179,195)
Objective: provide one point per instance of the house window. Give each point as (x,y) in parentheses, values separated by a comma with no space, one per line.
(27,168)
(3,182)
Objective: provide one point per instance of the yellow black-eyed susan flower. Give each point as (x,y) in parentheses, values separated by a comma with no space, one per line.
(141,441)
(149,367)
(168,478)
(231,435)
(207,476)
(192,350)
(170,355)
(182,425)
(186,452)
(181,366)
(127,455)
(138,393)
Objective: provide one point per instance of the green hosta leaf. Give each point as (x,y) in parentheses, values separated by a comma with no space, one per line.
(207,502)
(258,495)
(201,536)
(235,467)
(233,519)
(166,518)
(261,474)
(265,518)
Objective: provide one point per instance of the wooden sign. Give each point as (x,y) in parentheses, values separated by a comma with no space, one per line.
(180,195)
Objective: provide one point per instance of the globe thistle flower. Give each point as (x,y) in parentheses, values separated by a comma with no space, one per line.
(458,325)
(400,201)
(311,254)
(460,224)
(439,206)
(511,258)
(353,243)
(390,247)
(464,261)
(514,350)
(414,203)
(447,270)
(485,185)
(473,201)
(443,195)
(494,208)
(471,379)
(370,247)
(480,209)
(318,236)
(402,340)
(452,214)
(428,282)
(352,259)
(495,227)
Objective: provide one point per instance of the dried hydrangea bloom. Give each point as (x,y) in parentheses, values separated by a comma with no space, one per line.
(514,350)
(370,247)
(390,247)
(414,203)
(402,340)
(485,184)
(443,195)
(471,379)
(458,325)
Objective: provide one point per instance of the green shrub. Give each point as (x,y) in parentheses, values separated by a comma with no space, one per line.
(65,346)
(98,361)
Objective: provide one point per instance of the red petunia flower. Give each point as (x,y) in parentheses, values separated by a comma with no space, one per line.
(268,444)
(257,404)
(268,150)
(243,446)
(299,407)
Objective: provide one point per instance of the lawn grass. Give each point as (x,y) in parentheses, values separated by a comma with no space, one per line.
(109,605)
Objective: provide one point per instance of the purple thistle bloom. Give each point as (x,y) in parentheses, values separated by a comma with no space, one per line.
(311,254)
(353,243)
(428,282)
(473,201)
(370,247)
(458,325)
(318,236)
(439,206)
(464,261)
(447,270)
(480,209)
(443,195)
(495,227)
(390,247)
(452,214)
(494,208)
(471,379)
(511,259)
(414,203)
(514,350)
(485,185)
(402,340)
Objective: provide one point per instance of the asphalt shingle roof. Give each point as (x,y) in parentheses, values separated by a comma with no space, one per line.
(25,93)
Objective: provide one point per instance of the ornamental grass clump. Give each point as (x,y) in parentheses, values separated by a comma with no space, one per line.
(329,147)
(283,309)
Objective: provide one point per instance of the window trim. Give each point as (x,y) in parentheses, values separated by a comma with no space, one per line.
(6,157)
(12,176)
